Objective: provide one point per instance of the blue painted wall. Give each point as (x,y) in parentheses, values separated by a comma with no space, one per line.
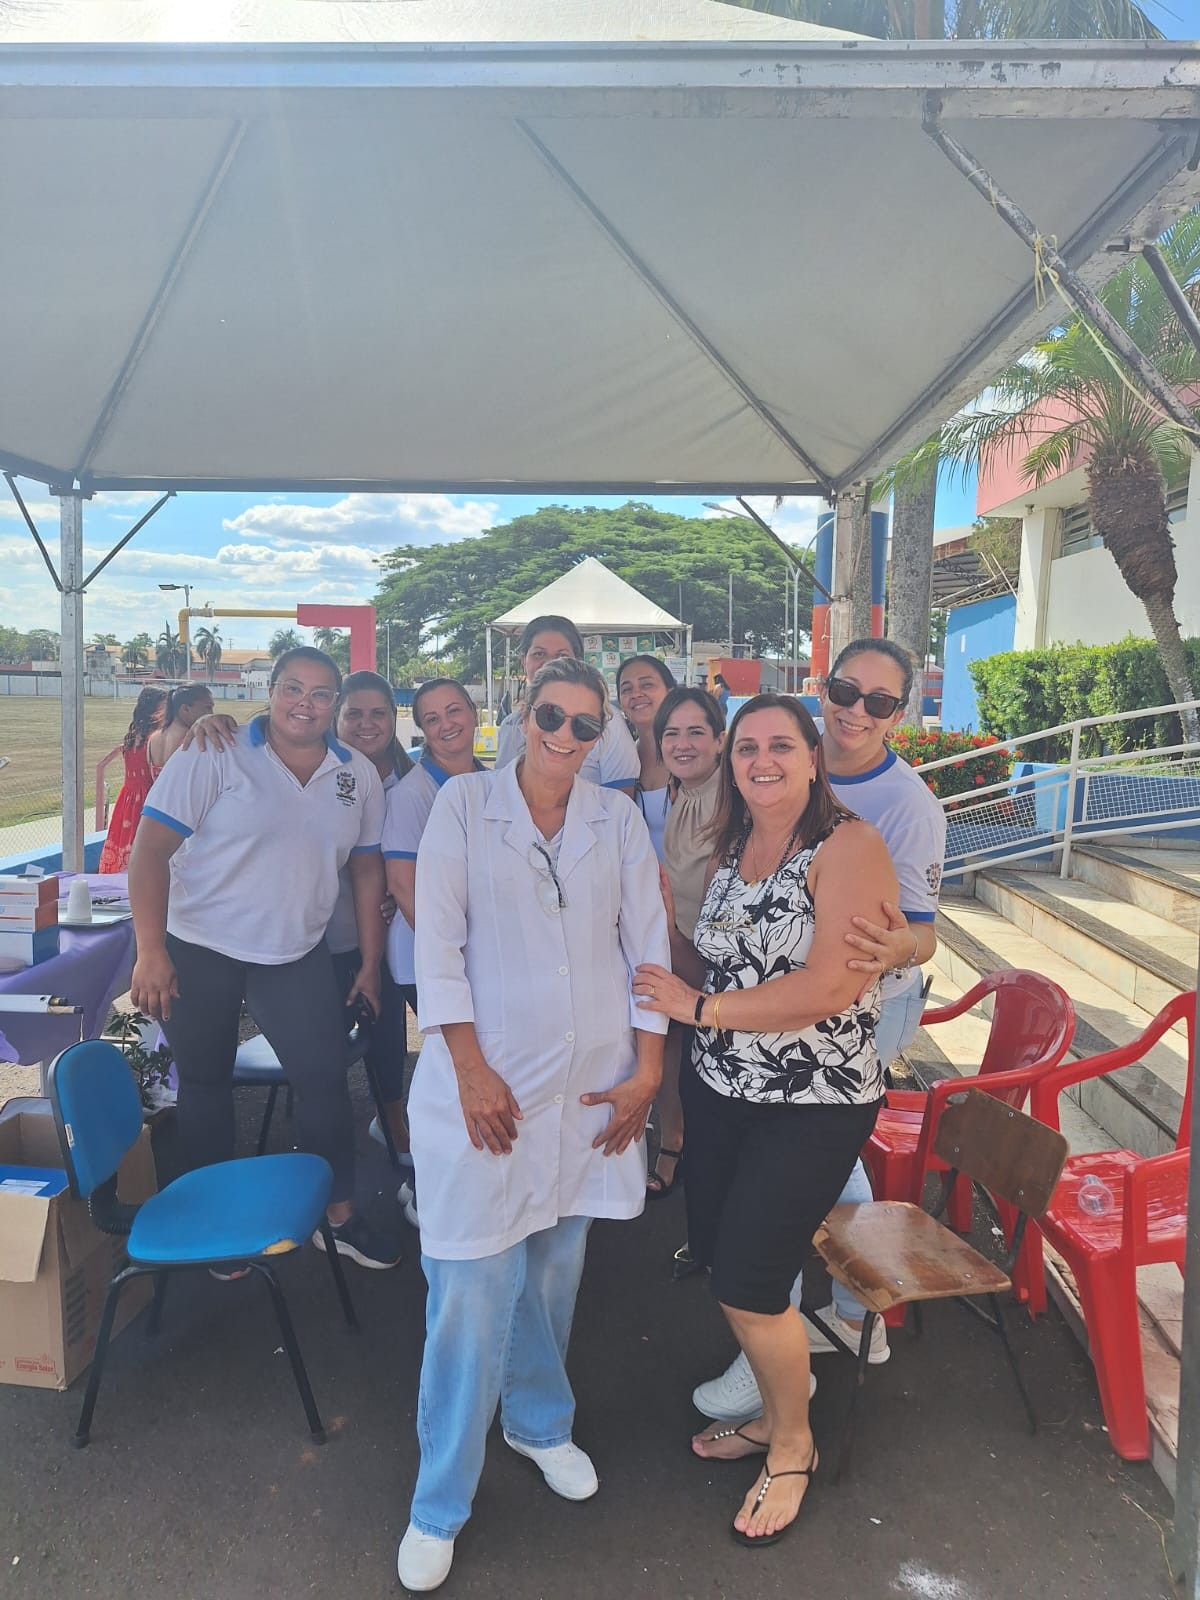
(984,628)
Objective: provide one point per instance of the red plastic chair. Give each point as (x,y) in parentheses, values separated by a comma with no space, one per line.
(1147,1223)
(1032,1024)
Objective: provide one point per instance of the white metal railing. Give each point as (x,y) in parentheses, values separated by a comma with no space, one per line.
(1155,790)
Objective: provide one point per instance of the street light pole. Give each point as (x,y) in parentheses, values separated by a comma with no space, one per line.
(173,588)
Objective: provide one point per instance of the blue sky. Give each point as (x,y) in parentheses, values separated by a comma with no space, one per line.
(274,551)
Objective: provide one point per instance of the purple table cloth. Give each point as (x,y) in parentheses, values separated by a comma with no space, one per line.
(93,966)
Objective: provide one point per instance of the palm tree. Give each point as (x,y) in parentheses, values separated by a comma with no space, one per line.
(170,653)
(1068,402)
(208,648)
(136,652)
(334,643)
(283,639)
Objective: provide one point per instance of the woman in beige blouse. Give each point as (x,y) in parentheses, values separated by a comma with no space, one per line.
(689,730)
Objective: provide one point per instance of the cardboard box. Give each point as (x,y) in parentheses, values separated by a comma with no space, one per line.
(20,891)
(26,919)
(19,950)
(55,1266)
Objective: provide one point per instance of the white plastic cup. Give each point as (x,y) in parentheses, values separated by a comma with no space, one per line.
(79,901)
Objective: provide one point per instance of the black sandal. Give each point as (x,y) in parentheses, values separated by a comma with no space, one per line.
(751,1540)
(760,1445)
(656,1187)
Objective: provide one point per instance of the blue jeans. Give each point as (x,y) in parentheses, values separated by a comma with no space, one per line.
(899,1019)
(496,1330)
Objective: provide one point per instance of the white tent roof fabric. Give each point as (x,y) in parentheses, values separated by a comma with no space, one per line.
(413,246)
(595,599)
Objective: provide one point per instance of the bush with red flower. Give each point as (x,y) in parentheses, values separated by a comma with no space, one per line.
(920,746)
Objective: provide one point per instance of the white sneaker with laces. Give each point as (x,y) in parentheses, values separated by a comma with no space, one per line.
(423,1562)
(735,1388)
(819,1345)
(566,1468)
(374,1131)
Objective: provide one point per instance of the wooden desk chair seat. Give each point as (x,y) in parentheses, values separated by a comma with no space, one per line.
(890,1253)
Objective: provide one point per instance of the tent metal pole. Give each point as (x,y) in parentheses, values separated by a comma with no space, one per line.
(70,562)
(843,574)
(1084,300)
(508,665)
(32,526)
(1173,290)
(488,649)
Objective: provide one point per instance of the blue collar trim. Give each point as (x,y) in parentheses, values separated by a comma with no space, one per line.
(258,736)
(439,774)
(889,760)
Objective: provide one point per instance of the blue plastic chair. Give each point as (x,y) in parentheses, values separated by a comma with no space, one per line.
(230,1215)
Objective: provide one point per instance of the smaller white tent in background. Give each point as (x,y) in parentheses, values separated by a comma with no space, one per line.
(614,619)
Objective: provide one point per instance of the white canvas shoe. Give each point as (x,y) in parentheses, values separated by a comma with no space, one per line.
(734,1396)
(566,1468)
(423,1562)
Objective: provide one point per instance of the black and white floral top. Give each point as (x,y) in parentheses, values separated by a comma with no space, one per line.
(748,933)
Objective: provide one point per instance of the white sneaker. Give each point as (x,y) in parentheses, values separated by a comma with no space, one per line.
(733,1397)
(735,1388)
(565,1467)
(423,1562)
(819,1345)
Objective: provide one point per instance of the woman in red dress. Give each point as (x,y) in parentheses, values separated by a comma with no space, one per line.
(139,775)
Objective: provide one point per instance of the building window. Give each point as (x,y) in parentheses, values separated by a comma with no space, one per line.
(1075,531)
(1075,524)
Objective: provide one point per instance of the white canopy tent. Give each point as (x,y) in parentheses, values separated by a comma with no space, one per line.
(597,601)
(415,245)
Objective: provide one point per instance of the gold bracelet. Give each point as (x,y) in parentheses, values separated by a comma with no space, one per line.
(716,1021)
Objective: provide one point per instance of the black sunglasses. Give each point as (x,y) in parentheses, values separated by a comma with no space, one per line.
(877,704)
(550,719)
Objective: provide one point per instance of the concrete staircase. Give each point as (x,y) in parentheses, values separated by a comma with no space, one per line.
(1120,935)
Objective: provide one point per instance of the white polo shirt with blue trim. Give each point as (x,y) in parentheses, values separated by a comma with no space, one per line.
(913,825)
(256,877)
(612,762)
(407,812)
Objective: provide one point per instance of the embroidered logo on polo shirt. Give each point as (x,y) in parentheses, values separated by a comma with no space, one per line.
(347,791)
(933,876)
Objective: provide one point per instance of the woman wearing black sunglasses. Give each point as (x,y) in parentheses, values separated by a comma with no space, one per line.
(537,896)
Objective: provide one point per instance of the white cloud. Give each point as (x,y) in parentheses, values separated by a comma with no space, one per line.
(39,510)
(379,520)
(795,521)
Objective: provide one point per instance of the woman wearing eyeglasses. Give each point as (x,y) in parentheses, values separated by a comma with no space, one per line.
(537,896)
(232,881)
(862,700)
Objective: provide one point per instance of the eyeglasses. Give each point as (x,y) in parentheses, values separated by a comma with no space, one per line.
(550,719)
(876,704)
(550,891)
(297,691)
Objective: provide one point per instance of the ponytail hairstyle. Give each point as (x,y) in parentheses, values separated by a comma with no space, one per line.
(147,716)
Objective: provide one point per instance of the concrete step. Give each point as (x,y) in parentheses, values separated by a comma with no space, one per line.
(1166,885)
(1139,1106)
(1135,953)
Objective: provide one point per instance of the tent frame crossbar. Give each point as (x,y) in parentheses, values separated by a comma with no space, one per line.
(32,526)
(666,299)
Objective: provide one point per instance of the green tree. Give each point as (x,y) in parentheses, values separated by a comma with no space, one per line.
(14,646)
(336,643)
(1070,400)
(44,644)
(283,639)
(208,647)
(136,653)
(170,653)
(105,639)
(451,592)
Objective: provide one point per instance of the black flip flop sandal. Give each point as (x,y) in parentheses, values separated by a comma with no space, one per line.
(752,1541)
(656,1188)
(760,1445)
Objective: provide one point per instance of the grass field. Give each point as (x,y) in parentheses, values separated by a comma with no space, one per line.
(31,740)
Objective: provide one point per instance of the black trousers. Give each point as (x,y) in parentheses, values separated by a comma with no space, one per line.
(299,1009)
(389,1038)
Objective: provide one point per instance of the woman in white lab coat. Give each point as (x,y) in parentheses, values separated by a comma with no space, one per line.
(537,897)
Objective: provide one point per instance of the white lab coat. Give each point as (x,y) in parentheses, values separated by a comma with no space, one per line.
(550,996)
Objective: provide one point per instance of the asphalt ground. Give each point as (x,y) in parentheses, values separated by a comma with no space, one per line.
(201,1481)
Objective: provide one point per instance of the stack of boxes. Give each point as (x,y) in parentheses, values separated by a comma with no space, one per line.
(28,921)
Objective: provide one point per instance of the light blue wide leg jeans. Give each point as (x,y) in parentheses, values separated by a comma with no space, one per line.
(899,1019)
(496,1331)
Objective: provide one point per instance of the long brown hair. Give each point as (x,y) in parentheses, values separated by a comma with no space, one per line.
(147,717)
(731,822)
